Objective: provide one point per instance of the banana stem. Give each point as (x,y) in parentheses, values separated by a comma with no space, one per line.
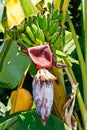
(79,123)
(82,109)
(79,97)
(81,59)
(84,9)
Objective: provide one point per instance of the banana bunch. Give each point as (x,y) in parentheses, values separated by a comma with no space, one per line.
(59,92)
(40,29)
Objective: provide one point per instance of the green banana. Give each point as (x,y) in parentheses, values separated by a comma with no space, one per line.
(30,34)
(35,20)
(54,37)
(40,35)
(45,24)
(21,27)
(53,27)
(38,42)
(26,39)
(40,20)
(21,42)
(57,42)
(55,15)
(49,21)
(29,21)
(34,28)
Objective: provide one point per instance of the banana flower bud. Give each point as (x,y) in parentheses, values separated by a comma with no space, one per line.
(43,93)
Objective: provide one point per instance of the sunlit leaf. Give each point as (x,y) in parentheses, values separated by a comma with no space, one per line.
(15,14)
(71,49)
(68,37)
(28,7)
(69,46)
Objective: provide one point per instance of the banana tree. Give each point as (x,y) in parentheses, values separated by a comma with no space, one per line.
(37,42)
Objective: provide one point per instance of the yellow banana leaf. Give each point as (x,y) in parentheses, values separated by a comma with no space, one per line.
(57,4)
(39,4)
(15,14)
(59,92)
(46,2)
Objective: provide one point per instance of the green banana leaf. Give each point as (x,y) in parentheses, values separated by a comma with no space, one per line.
(2,4)
(29,120)
(13,67)
(28,7)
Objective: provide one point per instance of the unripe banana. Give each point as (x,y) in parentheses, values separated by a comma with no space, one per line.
(38,42)
(21,27)
(26,39)
(29,21)
(45,24)
(57,42)
(53,27)
(40,21)
(59,92)
(30,34)
(34,27)
(54,37)
(55,15)
(49,20)
(35,20)
(40,35)
(21,42)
